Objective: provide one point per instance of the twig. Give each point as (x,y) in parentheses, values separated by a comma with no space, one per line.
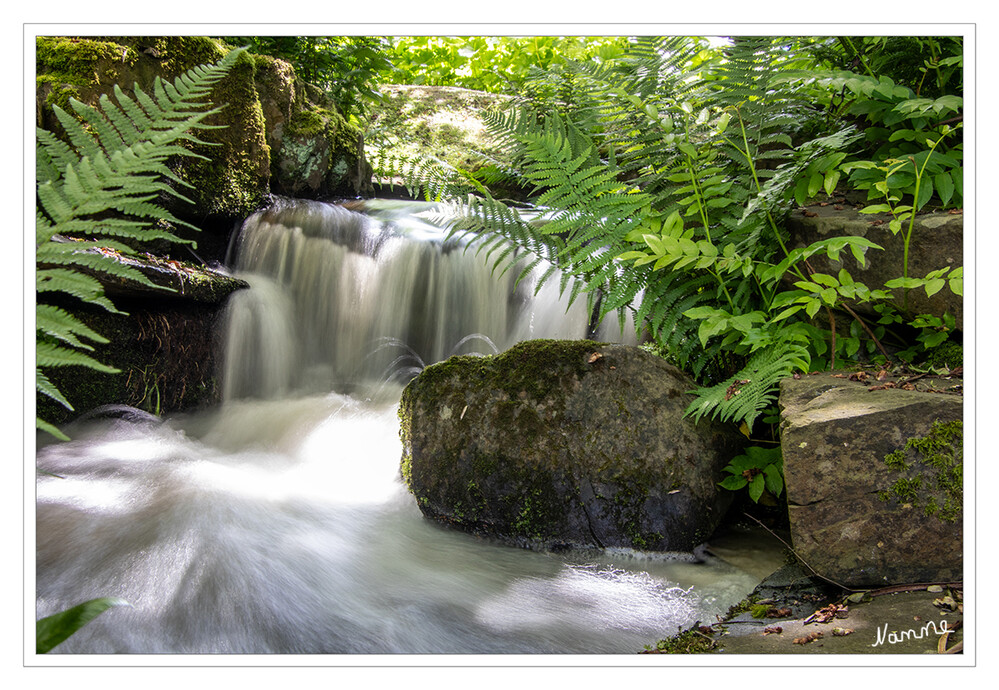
(894,589)
(863,324)
(802,560)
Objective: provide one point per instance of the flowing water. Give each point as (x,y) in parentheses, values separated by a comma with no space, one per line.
(277,522)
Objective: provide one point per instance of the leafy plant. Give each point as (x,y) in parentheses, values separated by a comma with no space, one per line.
(53,630)
(499,64)
(759,469)
(661,189)
(97,201)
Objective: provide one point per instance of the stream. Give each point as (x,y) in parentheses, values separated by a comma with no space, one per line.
(277,522)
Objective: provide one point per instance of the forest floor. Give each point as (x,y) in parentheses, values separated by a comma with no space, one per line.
(793,612)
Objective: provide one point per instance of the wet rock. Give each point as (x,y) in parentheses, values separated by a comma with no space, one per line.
(873,481)
(565,444)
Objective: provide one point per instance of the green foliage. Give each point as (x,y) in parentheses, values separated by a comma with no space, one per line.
(907,95)
(660,179)
(498,64)
(53,630)
(348,68)
(97,201)
(758,470)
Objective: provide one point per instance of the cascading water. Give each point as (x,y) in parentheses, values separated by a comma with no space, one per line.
(277,522)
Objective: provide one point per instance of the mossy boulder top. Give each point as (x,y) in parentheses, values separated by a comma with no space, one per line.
(562,444)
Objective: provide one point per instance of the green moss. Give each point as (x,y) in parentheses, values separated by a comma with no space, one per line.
(948,354)
(309,122)
(744,606)
(687,642)
(66,66)
(935,474)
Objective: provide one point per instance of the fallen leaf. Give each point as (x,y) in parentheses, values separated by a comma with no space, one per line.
(773,630)
(841,632)
(733,390)
(946,602)
(827,613)
(811,637)
(594,357)
(934,588)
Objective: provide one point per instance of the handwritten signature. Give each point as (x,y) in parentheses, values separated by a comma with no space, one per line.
(894,637)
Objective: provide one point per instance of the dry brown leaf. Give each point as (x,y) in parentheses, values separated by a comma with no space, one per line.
(811,637)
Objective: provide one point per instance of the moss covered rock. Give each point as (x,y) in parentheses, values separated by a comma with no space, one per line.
(873,480)
(280,134)
(556,444)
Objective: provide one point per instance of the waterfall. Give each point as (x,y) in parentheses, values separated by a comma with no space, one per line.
(277,523)
(342,299)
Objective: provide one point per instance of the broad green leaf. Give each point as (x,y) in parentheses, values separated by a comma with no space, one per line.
(53,630)
(956,281)
(905,283)
(934,286)
(756,487)
(876,208)
(830,181)
(733,482)
(812,307)
(944,184)
(825,279)
(773,479)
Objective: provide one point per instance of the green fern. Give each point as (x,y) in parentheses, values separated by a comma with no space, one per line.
(660,189)
(744,396)
(97,200)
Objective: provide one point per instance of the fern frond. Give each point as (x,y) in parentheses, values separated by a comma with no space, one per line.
(79,285)
(744,396)
(63,326)
(46,387)
(51,355)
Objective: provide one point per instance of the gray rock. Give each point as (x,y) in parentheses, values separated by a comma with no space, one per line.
(565,444)
(857,518)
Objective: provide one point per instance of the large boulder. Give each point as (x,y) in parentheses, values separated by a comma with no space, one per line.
(556,444)
(873,479)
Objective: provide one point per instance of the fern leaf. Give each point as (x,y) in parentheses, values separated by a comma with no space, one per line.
(113,165)
(81,286)
(63,326)
(744,396)
(46,387)
(51,355)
